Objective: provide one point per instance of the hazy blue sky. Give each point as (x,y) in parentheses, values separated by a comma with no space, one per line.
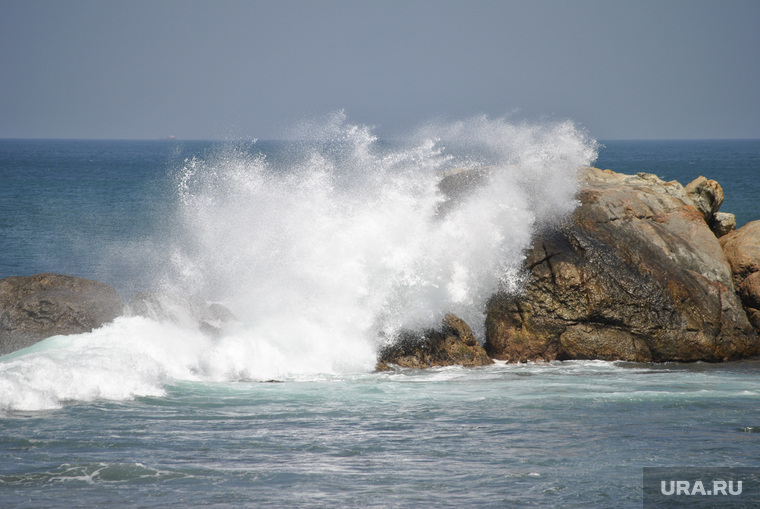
(220,69)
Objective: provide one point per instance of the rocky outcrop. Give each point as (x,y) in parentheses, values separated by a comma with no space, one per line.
(182,310)
(635,274)
(36,307)
(707,197)
(452,344)
(742,248)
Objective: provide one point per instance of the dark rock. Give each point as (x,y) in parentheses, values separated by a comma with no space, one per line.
(452,344)
(458,183)
(36,307)
(742,248)
(635,274)
(182,310)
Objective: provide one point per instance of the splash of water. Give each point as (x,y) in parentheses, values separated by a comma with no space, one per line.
(340,241)
(350,238)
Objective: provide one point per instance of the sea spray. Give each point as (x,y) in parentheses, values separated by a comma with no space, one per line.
(350,233)
(322,252)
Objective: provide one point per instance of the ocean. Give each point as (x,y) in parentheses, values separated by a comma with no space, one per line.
(322,245)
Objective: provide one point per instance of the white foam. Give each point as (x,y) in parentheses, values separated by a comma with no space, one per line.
(350,236)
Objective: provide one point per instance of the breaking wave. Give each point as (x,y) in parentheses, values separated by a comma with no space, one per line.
(321,248)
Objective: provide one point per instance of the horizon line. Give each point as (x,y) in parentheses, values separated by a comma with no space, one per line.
(256,139)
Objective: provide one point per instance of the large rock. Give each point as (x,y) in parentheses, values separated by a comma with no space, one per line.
(635,274)
(723,223)
(707,196)
(742,247)
(452,344)
(36,307)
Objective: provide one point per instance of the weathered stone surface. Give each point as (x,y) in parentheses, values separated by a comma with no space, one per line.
(707,196)
(452,344)
(723,223)
(742,248)
(635,274)
(182,310)
(36,307)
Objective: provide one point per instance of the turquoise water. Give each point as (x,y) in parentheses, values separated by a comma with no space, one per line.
(284,409)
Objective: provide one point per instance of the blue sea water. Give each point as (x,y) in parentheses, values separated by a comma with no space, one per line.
(303,241)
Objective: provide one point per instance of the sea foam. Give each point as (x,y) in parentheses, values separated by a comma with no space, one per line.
(322,254)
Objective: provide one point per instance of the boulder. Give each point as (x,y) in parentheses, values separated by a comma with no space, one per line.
(634,274)
(723,223)
(707,196)
(36,307)
(452,344)
(742,248)
(182,310)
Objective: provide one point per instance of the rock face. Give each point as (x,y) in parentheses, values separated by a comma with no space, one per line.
(707,196)
(36,307)
(635,274)
(182,310)
(723,223)
(452,344)
(742,248)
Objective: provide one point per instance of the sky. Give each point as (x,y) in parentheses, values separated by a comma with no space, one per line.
(663,69)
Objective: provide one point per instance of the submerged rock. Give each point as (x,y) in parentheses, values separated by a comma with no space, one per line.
(37,307)
(452,344)
(742,247)
(182,310)
(635,274)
